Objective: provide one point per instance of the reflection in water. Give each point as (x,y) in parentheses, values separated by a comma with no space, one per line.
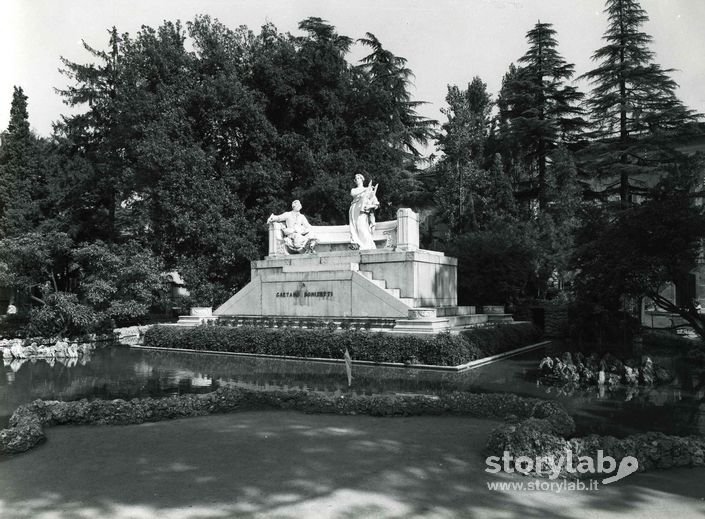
(121,372)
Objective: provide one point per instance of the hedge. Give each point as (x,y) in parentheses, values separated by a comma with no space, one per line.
(443,349)
(533,427)
(27,423)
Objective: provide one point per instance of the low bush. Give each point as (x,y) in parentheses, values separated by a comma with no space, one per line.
(443,349)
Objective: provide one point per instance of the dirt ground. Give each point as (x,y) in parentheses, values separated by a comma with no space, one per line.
(293,465)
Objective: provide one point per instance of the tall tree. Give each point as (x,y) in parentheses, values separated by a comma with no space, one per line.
(633,101)
(468,122)
(541,108)
(21,172)
(391,77)
(186,148)
(99,136)
(462,141)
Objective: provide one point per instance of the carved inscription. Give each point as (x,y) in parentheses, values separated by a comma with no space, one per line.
(322,293)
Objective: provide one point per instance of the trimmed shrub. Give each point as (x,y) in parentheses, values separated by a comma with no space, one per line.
(443,349)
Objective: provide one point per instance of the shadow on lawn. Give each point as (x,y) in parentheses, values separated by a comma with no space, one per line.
(288,464)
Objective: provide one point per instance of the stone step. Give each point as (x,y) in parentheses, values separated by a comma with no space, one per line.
(322,267)
(394,291)
(459,321)
(192,320)
(449,311)
(500,318)
(421,326)
(184,324)
(379,282)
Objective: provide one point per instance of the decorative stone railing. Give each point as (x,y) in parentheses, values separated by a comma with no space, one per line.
(399,234)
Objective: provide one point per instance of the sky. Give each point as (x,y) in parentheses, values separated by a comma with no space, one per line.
(445,41)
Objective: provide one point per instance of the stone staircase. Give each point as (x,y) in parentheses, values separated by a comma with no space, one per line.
(193,320)
(395,292)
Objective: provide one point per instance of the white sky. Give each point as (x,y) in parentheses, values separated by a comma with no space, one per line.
(444,41)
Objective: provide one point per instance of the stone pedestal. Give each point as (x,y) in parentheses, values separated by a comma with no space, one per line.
(413,288)
(346,284)
(407,230)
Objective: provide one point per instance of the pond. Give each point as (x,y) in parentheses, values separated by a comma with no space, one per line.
(124,372)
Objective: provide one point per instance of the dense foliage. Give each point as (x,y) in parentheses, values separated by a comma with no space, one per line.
(185,137)
(443,349)
(637,116)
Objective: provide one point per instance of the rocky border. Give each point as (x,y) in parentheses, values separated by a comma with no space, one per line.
(533,428)
(28,421)
(41,348)
(538,438)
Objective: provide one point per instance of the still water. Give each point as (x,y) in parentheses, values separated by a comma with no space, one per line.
(124,372)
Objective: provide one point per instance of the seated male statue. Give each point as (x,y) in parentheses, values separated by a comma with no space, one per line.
(297,231)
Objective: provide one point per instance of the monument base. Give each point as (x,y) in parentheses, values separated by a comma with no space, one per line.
(386,290)
(397,287)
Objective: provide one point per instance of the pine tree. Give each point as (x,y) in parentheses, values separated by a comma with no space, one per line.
(100,136)
(540,108)
(390,77)
(633,102)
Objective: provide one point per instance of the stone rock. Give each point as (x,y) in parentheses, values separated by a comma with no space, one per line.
(21,438)
(661,375)
(647,371)
(18,351)
(631,375)
(45,352)
(61,349)
(698,457)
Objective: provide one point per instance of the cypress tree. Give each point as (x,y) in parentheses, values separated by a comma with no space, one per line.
(20,173)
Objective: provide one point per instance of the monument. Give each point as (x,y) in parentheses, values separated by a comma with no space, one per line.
(367,272)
